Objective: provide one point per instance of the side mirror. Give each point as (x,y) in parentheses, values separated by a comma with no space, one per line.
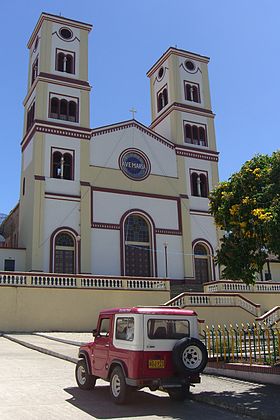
(94,332)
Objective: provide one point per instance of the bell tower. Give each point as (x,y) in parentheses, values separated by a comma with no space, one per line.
(181,112)
(56,123)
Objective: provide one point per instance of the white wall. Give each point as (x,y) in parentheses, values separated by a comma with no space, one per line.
(106,148)
(110,207)
(14,254)
(105,252)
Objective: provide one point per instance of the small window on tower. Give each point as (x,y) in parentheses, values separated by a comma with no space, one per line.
(34,70)
(195,134)
(162,99)
(65,61)
(192,92)
(63,109)
(199,183)
(62,164)
(30,116)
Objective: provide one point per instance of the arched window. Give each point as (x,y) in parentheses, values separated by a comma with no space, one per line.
(138,258)
(195,94)
(72,111)
(194,184)
(203,185)
(56,165)
(65,61)
(63,109)
(165,97)
(162,99)
(192,92)
(199,184)
(188,131)
(195,134)
(54,107)
(188,92)
(62,165)
(160,102)
(69,63)
(64,253)
(60,61)
(67,166)
(202,136)
(202,262)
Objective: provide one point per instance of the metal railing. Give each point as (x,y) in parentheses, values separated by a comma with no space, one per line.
(250,344)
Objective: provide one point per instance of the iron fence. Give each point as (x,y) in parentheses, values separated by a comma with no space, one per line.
(253,344)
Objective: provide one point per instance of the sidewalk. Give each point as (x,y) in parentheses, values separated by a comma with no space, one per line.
(259,401)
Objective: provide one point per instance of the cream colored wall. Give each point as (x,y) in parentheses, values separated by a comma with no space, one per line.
(266,300)
(30,309)
(220,315)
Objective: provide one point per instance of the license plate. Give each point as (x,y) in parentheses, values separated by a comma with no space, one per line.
(156,364)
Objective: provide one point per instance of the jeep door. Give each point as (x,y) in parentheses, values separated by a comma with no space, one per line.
(101,347)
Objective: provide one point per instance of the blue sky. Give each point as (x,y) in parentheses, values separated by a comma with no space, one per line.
(241,38)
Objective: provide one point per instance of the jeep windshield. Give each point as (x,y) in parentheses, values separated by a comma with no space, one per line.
(168,329)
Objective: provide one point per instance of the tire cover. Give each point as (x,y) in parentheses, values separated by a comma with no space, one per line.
(194,351)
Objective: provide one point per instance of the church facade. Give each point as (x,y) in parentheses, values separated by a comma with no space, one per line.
(124,199)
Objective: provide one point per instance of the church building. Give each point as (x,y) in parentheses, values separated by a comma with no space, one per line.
(119,200)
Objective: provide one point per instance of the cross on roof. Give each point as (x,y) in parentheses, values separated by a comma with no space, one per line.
(133,111)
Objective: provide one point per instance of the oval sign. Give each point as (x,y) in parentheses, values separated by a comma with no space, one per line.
(135,164)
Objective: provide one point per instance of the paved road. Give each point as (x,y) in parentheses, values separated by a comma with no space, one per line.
(35,386)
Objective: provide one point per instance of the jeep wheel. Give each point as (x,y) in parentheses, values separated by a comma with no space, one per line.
(189,355)
(83,378)
(179,394)
(118,389)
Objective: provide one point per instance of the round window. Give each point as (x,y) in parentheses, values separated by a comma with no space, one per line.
(189,65)
(134,164)
(65,33)
(160,72)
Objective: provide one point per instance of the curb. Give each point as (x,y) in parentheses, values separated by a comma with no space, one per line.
(42,349)
(238,409)
(61,340)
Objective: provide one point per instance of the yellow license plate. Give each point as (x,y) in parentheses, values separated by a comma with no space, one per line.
(156,364)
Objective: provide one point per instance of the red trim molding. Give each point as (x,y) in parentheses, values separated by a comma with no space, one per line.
(110,226)
(134,124)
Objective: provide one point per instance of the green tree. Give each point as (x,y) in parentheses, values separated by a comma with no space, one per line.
(247,209)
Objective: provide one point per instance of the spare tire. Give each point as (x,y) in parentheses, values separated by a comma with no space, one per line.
(189,356)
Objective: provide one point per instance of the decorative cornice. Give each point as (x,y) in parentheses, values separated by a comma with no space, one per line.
(57,19)
(200,213)
(57,129)
(196,155)
(176,106)
(136,193)
(63,197)
(69,80)
(176,51)
(134,124)
(168,231)
(111,226)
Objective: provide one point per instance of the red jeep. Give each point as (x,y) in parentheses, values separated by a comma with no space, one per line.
(155,347)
